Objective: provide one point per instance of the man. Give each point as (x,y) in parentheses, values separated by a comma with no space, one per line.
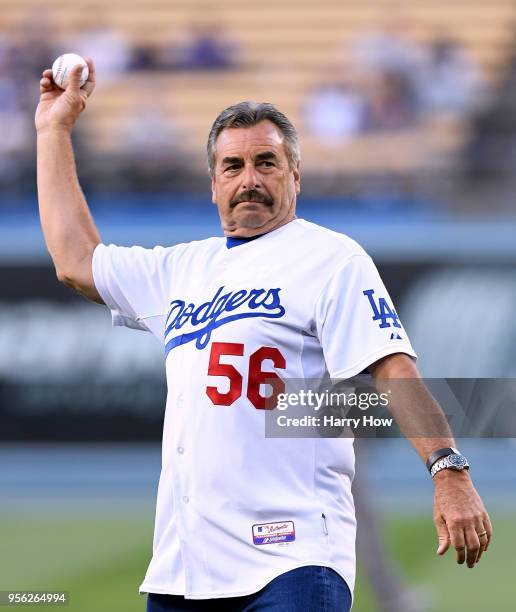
(245,522)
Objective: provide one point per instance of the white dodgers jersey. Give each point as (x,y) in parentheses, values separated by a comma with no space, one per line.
(236,509)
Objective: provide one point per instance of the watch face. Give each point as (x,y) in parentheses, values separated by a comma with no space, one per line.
(457,461)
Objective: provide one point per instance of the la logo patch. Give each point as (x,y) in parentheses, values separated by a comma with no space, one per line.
(382,311)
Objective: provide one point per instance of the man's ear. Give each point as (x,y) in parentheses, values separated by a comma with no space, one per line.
(297,178)
(213,190)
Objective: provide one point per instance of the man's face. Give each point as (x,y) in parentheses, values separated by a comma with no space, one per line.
(253,186)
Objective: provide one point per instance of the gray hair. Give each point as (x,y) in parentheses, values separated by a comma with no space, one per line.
(246,114)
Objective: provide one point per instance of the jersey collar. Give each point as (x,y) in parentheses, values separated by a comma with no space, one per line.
(233,242)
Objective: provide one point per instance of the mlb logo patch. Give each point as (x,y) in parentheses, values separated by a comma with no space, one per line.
(273,533)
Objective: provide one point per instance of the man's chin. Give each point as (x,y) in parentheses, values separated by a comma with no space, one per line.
(247,227)
(251,219)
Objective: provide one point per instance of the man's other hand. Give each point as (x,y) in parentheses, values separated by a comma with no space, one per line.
(460,517)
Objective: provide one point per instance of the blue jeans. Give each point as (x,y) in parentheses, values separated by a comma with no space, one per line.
(305,589)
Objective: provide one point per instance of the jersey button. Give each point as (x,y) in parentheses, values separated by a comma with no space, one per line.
(180,450)
(180,398)
(186,499)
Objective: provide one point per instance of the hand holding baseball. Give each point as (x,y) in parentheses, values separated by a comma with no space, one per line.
(60,108)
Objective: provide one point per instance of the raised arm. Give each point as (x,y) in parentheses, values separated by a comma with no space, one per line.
(69,230)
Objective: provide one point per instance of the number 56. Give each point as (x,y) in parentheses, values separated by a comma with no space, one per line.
(256,376)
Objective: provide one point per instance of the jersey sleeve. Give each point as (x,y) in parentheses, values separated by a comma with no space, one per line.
(133,282)
(356,321)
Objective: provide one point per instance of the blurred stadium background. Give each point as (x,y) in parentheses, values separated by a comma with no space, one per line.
(406,113)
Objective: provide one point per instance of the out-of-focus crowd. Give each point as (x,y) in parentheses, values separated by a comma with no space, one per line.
(392,84)
(29,48)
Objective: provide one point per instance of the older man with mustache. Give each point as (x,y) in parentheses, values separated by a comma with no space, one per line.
(246,522)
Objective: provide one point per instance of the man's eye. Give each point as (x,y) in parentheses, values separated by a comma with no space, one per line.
(267,164)
(232,167)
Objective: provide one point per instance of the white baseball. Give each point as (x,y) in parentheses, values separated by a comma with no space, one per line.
(64,64)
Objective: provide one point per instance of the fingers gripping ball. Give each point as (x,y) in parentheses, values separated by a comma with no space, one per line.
(63,66)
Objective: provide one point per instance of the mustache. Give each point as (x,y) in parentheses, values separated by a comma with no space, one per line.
(251,195)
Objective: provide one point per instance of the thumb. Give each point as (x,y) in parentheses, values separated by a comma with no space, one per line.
(74,80)
(442,535)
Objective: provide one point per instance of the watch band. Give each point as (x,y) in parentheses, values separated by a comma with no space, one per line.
(454,462)
(438,454)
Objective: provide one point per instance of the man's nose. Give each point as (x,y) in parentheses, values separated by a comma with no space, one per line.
(250,177)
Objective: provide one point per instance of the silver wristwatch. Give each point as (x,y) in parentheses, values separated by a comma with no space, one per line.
(455,461)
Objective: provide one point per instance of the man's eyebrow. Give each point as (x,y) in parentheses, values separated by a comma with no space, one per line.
(232,160)
(235,159)
(265,155)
